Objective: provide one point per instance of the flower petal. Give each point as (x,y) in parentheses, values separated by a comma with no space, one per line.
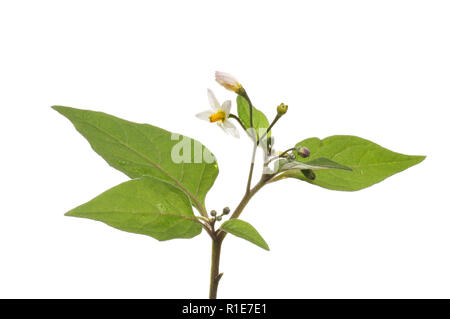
(226,107)
(205,115)
(228,81)
(215,105)
(230,129)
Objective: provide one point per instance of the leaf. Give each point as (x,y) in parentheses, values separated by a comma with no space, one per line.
(370,162)
(142,149)
(244,230)
(147,206)
(260,122)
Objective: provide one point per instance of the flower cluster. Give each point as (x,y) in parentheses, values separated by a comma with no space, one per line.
(220,113)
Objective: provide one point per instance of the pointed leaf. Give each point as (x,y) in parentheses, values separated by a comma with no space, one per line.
(244,230)
(370,162)
(141,149)
(260,121)
(147,206)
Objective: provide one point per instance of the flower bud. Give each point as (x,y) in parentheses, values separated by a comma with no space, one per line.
(309,174)
(213,213)
(226,211)
(282,109)
(219,218)
(303,151)
(228,81)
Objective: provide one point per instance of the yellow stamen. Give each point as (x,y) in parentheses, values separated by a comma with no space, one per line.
(219,116)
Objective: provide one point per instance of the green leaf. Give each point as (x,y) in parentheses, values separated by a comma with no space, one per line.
(147,206)
(370,162)
(260,122)
(244,230)
(141,149)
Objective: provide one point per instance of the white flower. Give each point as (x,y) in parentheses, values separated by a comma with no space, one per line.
(219,114)
(228,81)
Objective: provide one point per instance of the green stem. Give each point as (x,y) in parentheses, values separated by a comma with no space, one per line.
(238,120)
(250,105)
(287,151)
(244,201)
(255,145)
(252,166)
(241,124)
(277,117)
(220,236)
(215,260)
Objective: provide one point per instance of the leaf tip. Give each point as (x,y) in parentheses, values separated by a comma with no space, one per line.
(417,159)
(69,213)
(59,108)
(421,158)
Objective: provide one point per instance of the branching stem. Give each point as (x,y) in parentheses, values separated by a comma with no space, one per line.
(277,117)
(218,236)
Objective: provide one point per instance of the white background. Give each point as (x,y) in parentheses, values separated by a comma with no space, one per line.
(376,69)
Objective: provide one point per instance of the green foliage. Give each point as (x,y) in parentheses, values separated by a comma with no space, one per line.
(370,163)
(244,230)
(171,173)
(141,149)
(260,122)
(147,206)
